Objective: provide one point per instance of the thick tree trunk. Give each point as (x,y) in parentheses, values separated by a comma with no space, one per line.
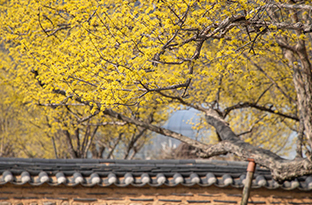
(303,81)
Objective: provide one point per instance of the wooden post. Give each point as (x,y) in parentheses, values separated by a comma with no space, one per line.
(247,186)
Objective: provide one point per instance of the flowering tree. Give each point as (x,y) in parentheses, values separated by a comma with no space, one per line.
(246,65)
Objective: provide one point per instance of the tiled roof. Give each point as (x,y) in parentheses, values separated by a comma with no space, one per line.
(137,173)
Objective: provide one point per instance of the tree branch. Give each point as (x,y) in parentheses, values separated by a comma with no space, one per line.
(110,154)
(251,127)
(290,6)
(132,142)
(259,107)
(90,140)
(72,151)
(281,169)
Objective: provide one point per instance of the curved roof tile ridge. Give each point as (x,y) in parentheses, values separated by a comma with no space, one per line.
(137,173)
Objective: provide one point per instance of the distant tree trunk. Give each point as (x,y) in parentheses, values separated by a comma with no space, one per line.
(132,142)
(97,150)
(72,152)
(54,147)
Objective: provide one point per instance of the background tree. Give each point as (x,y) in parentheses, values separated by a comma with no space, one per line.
(51,131)
(244,64)
(77,134)
(18,136)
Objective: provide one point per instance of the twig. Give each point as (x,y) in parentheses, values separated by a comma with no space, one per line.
(251,127)
(259,98)
(271,79)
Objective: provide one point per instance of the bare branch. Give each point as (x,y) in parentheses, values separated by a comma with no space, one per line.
(80,120)
(56,30)
(251,127)
(112,149)
(168,63)
(290,6)
(53,105)
(107,123)
(172,87)
(259,107)
(259,98)
(92,15)
(156,58)
(86,82)
(197,107)
(223,26)
(288,26)
(132,142)
(154,128)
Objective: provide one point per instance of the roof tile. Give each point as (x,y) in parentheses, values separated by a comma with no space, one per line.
(103,173)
